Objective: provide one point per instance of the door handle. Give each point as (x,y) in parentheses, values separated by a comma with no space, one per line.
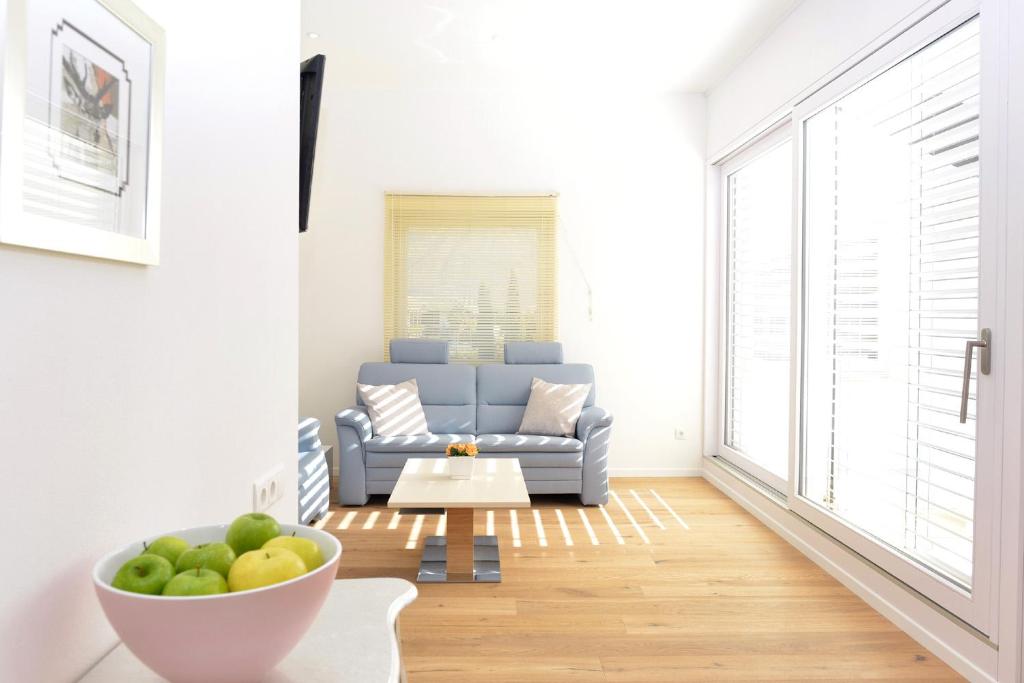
(984,346)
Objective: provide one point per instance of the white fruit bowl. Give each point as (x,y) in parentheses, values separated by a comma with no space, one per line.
(226,638)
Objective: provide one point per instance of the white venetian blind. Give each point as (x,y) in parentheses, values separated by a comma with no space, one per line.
(759,226)
(475,271)
(891,197)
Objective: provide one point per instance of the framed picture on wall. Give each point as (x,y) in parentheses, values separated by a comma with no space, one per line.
(81,128)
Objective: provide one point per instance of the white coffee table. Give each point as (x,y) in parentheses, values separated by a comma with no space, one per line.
(459,556)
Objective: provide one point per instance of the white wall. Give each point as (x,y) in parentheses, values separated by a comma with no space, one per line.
(814,39)
(629,171)
(135,400)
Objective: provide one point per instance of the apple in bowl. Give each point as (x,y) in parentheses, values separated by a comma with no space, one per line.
(223,637)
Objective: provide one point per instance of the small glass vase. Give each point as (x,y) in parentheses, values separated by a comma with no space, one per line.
(460,467)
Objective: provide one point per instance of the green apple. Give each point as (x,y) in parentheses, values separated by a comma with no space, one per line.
(196,582)
(251,531)
(259,568)
(216,556)
(144,574)
(305,548)
(169,547)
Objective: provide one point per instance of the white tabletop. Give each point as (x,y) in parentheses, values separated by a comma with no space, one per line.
(352,639)
(496,482)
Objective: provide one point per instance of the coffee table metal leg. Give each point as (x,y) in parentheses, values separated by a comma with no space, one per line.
(459,535)
(460,556)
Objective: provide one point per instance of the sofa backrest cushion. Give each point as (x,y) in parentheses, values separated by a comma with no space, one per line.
(504,390)
(418,351)
(533,353)
(447,392)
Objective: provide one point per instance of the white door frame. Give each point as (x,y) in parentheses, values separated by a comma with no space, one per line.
(1005,64)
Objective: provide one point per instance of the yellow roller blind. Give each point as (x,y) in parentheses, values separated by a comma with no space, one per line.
(475,271)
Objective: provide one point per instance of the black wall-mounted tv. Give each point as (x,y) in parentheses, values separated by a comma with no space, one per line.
(312,82)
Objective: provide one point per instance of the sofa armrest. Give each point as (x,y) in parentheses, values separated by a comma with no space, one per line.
(594,429)
(358,418)
(354,430)
(590,419)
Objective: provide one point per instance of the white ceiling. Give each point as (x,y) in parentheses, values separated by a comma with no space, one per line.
(684,45)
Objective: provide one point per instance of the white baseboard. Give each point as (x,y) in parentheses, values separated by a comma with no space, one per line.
(628,472)
(655,472)
(963,649)
(631,472)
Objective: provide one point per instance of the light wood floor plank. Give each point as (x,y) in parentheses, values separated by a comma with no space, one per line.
(448,668)
(682,584)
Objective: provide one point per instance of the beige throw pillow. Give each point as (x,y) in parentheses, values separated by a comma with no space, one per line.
(395,409)
(553,409)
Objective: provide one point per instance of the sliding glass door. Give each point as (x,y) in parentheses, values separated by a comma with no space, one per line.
(892,278)
(759,224)
(859,274)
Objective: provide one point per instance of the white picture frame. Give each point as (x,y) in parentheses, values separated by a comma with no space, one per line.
(81,128)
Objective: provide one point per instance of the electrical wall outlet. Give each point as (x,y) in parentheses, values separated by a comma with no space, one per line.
(267,490)
(680,434)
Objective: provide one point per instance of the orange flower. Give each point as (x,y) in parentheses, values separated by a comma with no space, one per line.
(461,450)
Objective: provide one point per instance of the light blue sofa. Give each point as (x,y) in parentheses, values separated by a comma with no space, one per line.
(482,404)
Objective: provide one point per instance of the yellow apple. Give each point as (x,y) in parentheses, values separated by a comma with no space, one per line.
(259,568)
(305,548)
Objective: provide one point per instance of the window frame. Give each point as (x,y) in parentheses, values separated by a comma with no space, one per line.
(776,135)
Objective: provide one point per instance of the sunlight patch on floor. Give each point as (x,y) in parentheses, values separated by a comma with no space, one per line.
(586,525)
(650,501)
(670,510)
(611,525)
(371,520)
(347,520)
(542,538)
(565,527)
(629,516)
(323,520)
(414,533)
(513,519)
(650,513)
(395,519)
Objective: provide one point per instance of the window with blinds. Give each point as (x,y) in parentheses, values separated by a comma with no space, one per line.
(891,294)
(476,271)
(758,245)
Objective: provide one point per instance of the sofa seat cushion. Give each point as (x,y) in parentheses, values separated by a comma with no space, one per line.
(385,459)
(553,473)
(421,443)
(381,460)
(527,442)
(533,459)
(547,474)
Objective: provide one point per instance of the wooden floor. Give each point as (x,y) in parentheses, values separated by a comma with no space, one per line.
(671,581)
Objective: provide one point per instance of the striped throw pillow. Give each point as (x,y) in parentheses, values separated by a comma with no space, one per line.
(395,409)
(553,409)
